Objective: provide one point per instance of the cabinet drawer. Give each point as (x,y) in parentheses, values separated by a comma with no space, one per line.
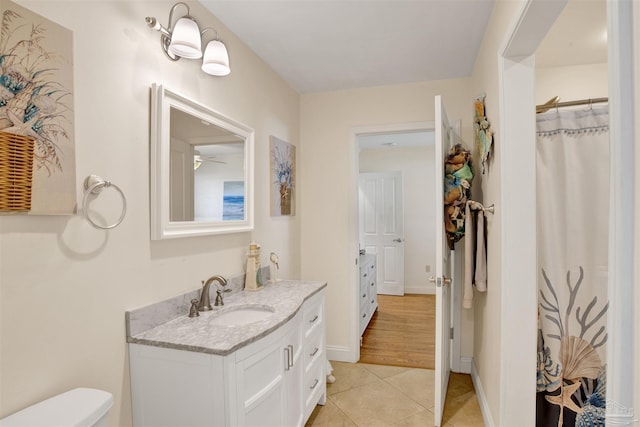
(364,320)
(373,305)
(372,270)
(313,317)
(315,385)
(313,350)
(364,294)
(365,276)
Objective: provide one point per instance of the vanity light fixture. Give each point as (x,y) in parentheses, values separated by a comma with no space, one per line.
(184,40)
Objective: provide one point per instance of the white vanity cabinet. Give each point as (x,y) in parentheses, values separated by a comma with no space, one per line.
(368,290)
(275,381)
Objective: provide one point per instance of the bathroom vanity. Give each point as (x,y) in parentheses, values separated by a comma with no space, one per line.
(259,360)
(368,290)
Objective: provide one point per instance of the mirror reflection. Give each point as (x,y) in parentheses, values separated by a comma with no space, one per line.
(201,169)
(206,171)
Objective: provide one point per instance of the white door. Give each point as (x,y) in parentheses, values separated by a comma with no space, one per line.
(442,277)
(181,189)
(382,227)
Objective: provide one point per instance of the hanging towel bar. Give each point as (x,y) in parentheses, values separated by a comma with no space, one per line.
(478,206)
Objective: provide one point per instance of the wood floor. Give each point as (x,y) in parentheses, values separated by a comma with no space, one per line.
(401,332)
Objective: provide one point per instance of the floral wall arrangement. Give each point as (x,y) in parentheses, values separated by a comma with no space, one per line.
(484,136)
(36,78)
(283,177)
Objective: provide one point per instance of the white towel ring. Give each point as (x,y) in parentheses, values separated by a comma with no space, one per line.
(93,184)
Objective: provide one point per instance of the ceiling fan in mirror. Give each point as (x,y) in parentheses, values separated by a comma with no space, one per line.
(199,159)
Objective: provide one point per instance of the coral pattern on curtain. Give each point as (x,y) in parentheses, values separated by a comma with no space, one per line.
(573,224)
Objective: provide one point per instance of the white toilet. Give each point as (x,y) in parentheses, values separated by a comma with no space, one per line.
(80,407)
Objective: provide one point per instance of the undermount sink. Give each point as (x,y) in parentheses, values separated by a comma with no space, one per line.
(242,315)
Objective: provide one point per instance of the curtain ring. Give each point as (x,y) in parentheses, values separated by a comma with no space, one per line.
(93,184)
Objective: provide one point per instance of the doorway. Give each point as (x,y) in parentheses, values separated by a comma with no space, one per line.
(406,152)
(392,162)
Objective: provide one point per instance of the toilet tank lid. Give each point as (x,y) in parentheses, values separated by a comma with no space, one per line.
(80,407)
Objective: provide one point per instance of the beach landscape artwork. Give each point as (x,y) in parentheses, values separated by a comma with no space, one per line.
(36,79)
(283,177)
(233,201)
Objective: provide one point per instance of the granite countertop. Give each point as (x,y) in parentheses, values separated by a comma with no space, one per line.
(201,335)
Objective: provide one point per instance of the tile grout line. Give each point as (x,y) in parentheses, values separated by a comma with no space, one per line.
(344,414)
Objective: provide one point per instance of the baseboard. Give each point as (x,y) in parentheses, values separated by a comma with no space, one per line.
(422,290)
(482,397)
(340,354)
(465,365)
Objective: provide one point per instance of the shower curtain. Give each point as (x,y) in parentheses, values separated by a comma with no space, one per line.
(573,223)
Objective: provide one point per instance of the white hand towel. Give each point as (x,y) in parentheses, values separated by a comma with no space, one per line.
(481,256)
(469,255)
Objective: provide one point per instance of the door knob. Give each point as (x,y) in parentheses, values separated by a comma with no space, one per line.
(439,282)
(399,240)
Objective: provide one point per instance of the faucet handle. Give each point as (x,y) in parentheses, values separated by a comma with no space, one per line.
(193,311)
(219,300)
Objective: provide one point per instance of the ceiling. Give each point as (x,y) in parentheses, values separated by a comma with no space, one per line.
(578,37)
(325,45)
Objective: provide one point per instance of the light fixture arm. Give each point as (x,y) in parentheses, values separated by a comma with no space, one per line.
(204,30)
(165,33)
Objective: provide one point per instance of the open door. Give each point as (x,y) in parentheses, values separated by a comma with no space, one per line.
(442,278)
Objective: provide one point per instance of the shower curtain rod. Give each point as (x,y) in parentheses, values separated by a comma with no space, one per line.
(553,103)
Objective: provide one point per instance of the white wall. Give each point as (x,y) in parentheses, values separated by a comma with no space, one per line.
(326,121)
(487,306)
(209,185)
(65,286)
(416,165)
(572,83)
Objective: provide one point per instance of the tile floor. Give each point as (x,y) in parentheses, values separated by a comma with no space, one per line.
(390,396)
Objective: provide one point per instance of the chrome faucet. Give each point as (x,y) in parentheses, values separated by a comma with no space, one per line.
(205,302)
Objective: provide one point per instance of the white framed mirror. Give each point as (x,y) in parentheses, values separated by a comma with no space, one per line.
(201,169)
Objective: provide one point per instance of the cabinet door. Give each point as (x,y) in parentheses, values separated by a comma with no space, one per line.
(260,381)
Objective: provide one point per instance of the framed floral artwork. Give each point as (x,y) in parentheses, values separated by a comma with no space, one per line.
(283,177)
(36,80)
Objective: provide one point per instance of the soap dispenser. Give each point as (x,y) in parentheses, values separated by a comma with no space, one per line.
(253,278)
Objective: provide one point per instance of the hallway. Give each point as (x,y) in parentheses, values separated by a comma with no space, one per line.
(401,332)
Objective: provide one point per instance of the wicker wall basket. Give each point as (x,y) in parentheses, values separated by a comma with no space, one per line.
(16,172)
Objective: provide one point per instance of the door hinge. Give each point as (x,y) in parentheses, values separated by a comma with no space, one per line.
(450,333)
